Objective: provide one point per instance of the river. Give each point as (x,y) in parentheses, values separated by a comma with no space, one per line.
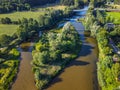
(25,77)
(80,74)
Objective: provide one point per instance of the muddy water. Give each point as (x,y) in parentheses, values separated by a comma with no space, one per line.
(80,74)
(25,77)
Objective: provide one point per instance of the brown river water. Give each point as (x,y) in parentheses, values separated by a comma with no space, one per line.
(79,74)
(25,77)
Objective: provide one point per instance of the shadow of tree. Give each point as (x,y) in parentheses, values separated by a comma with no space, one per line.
(78,63)
(86,49)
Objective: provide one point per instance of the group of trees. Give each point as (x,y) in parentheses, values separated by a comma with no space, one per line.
(8,67)
(20,5)
(9,6)
(27,27)
(108,71)
(96,21)
(76,3)
(5,20)
(5,40)
(101,3)
(49,52)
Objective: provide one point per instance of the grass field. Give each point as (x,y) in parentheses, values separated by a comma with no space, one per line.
(19,15)
(31,14)
(115,15)
(8,29)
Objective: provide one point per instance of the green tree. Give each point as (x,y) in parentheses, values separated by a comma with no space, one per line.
(5,40)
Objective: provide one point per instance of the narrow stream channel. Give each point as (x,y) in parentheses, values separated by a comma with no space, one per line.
(25,77)
(80,74)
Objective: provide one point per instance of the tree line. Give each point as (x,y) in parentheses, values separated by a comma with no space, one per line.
(108,71)
(20,5)
(27,27)
(101,3)
(76,3)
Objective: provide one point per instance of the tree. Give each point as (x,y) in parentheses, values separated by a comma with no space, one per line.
(14,53)
(6,20)
(5,40)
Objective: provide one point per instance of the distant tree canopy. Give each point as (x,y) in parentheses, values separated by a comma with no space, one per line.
(77,3)
(19,5)
(101,3)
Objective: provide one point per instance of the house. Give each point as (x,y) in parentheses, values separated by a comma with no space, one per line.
(109,26)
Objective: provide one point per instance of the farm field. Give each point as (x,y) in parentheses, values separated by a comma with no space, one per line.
(115,15)
(19,15)
(31,14)
(8,29)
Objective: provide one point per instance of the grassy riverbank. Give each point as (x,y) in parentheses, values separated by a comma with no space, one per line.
(51,56)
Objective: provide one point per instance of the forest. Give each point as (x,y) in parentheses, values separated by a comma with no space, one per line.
(20,5)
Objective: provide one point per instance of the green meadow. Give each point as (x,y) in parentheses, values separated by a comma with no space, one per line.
(14,16)
(19,15)
(115,16)
(8,29)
